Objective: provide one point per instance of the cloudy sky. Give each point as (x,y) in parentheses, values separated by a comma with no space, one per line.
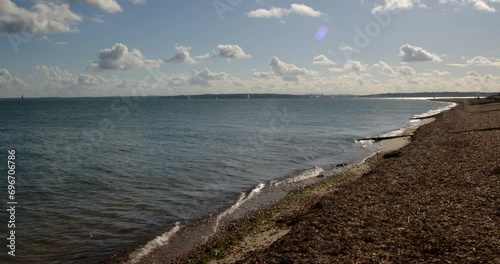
(152,47)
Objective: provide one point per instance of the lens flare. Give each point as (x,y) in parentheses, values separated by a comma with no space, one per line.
(321,34)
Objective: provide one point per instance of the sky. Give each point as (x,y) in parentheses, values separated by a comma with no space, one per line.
(74,48)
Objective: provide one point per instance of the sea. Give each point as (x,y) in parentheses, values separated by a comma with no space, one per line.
(97,178)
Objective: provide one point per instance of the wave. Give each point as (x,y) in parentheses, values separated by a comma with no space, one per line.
(394,133)
(302,176)
(153,244)
(413,123)
(243,198)
(283,184)
(433,112)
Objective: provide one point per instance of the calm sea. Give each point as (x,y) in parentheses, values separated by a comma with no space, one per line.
(95,176)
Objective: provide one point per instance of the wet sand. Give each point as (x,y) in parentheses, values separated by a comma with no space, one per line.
(436,199)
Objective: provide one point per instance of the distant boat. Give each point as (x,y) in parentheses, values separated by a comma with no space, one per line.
(22,96)
(249,96)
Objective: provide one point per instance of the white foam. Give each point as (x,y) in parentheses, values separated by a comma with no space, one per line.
(365,143)
(153,244)
(243,198)
(307,174)
(416,122)
(393,133)
(436,111)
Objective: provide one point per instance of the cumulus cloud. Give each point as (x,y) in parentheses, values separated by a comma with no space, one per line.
(42,17)
(10,84)
(322,60)
(304,10)
(119,57)
(483,6)
(440,73)
(89,79)
(473,74)
(63,77)
(409,53)
(281,68)
(205,76)
(391,5)
(231,51)
(480,5)
(138,2)
(263,75)
(351,65)
(61,82)
(279,12)
(479,61)
(5,77)
(182,55)
(483,61)
(203,56)
(385,69)
(407,71)
(50,16)
(110,6)
(4,73)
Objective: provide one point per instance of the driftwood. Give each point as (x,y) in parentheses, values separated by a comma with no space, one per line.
(425,117)
(383,138)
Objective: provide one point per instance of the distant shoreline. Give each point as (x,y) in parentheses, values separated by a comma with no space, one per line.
(419,95)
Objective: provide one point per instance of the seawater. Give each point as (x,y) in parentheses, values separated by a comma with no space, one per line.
(96,176)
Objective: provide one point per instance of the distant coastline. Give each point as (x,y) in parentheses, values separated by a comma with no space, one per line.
(279,96)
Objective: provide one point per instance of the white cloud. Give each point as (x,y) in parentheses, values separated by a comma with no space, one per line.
(97,19)
(205,76)
(182,55)
(479,61)
(483,61)
(42,17)
(63,77)
(231,51)
(263,75)
(473,74)
(275,12)
(138,2)
(351,65)
(281,68)
(203,56)
(4,73)
(278,12)
(391,5)
(440,73)
(385,69)
(322,60)
(119,57)
(409,53)
(346,48)
(407,71)
(88,79)
(304,10)
(10,84)
(110,6)
(481,5)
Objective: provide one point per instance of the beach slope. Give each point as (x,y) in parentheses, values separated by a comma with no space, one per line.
(436,199)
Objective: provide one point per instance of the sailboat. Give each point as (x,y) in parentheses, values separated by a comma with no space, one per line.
(22,96)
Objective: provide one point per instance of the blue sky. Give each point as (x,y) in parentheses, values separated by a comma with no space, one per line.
(146,47)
